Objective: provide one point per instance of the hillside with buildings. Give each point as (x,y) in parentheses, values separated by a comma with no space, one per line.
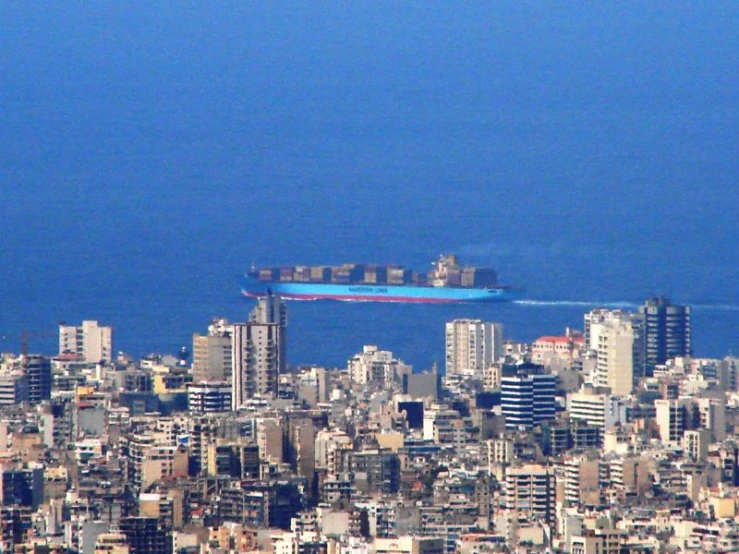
(613,439)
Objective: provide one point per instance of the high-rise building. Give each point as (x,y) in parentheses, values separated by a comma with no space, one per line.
(13,388)
(582,480)
(147,461)
(329,449)
(269,309)
(270,439)
(711,415)
(38,374)
(16,526)
(144,535)
(443,426)
(618,339)
(527,398)
(90,340)
(376,471)
(673,418)
(22,486)
(666,329)
(696,442)
(258,359)
(530,492)
(472,345)
(596,409)
(211,353)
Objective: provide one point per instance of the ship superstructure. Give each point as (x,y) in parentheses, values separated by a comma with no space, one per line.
(447,281)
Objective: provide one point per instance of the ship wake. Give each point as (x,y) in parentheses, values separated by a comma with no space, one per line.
(578,303)
(615,304)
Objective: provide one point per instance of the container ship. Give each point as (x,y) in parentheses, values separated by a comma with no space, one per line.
(446,282)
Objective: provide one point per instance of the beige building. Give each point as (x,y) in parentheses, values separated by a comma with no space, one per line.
(723,506)
(269,309)
(166,508)
(211,353)
(390,440)
(472,345)
(602,541)
(234,537)
(152,458)
(257,361)
(629,474)
(270,440)
(161,462)
(582,480)
(111,543)
(94,343)
(530,492)
(492,376)
(409,545)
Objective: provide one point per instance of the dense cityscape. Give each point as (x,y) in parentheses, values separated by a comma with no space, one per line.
(607,440)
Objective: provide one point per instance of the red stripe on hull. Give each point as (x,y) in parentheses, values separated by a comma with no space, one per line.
(363,298)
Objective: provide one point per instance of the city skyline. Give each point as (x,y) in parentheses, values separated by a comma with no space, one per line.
(490,255)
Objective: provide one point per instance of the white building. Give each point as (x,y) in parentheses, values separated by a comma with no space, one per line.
(375,365)
(617,338)
(696,443)
(13,388)
(596,409)
(712,416)
(472,345)
(499,451)
(409,545)
(208,397)
(330,446)
(439,422)
(672,419)
(91,341)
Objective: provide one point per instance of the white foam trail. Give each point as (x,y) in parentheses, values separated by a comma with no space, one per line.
(575,303)
(716,307)
(621,304)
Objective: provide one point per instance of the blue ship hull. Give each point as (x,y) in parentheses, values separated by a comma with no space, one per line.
(375,293)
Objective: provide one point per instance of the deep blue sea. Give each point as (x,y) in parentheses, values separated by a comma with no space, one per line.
(150,152)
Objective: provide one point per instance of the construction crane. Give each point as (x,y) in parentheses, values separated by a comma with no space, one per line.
(25,336)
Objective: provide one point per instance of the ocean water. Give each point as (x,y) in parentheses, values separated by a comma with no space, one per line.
(150,153)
